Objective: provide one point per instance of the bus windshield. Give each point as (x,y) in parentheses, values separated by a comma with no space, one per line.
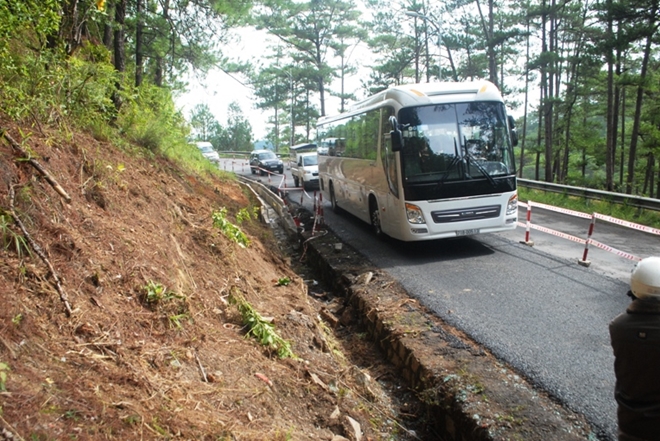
(455,142)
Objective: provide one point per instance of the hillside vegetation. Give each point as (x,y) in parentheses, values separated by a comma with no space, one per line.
(142,297)
(125,310)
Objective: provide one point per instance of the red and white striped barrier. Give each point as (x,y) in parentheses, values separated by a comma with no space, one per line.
(624,223)
(561,210)
(602,246)
(558,233)
(589,240)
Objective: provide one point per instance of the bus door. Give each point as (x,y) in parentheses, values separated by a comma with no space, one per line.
(392,215)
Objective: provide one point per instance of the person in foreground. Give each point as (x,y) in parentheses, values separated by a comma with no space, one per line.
(635,338)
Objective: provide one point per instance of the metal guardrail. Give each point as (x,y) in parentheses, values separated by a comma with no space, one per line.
(225,153)
(617,198)
(266,196)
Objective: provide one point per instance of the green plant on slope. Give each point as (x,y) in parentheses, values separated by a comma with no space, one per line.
(155,293)
(283,281)
(175,320)
(10,239)
(261,329)
(4,368)
(230,230)
(247,214)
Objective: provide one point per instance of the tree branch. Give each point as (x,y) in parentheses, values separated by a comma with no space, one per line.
(53,183)
(37,249)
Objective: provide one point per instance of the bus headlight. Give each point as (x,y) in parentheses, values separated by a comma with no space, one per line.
(414,214)
(512,206)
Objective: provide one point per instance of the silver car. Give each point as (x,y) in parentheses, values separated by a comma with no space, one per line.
(208,151)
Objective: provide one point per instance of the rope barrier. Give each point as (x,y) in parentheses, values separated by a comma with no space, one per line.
(589,240)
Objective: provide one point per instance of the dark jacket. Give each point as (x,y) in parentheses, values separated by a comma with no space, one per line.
(635,337)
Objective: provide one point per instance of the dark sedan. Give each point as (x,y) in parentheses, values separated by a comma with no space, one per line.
(263,161)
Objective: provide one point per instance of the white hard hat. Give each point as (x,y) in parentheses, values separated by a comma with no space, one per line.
(645,278)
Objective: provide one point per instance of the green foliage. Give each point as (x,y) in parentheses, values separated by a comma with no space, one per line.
(175,320)
(149,119)
(247,214)
(10,239)
(283,281)
(30,21)
(202,121)
(132,420)
(155,293)
(4,369)
(230,230)
(261,329)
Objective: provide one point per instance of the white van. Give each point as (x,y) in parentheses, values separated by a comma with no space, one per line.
(305,171)
(208,151)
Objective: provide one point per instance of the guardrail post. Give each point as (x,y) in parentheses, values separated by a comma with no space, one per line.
(584,261)
(527,241)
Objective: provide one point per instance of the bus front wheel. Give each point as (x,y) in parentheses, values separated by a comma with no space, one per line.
(375,218)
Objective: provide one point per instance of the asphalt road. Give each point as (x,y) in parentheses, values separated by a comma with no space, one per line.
(533,307)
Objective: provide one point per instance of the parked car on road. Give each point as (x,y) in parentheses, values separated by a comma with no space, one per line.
(262,161)
(208,151)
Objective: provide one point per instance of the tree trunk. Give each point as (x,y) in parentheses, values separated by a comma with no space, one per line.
(139,65)
(615,112)
(488,34)
(428,60)
(632,152)
(538,165)
(120,50)
(492,61)
(610,135)
(546,88)
(417,51)
(649,175)
(107,27)
(159,77)
(623,135)
(524,128)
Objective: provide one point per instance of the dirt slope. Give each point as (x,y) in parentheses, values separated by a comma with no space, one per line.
(131,362)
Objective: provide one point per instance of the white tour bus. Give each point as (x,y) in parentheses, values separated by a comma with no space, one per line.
(424,161)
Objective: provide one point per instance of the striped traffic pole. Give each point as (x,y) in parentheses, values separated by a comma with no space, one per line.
(584,261)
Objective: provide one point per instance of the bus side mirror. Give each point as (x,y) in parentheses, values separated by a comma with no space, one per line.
(512,130)
(396,135)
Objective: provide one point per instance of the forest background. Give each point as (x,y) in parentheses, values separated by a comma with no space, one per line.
(582,75)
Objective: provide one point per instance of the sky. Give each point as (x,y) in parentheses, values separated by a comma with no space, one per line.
(219,89)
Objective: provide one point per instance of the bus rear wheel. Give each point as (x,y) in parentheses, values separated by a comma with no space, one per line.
(374,214)
(333,200)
